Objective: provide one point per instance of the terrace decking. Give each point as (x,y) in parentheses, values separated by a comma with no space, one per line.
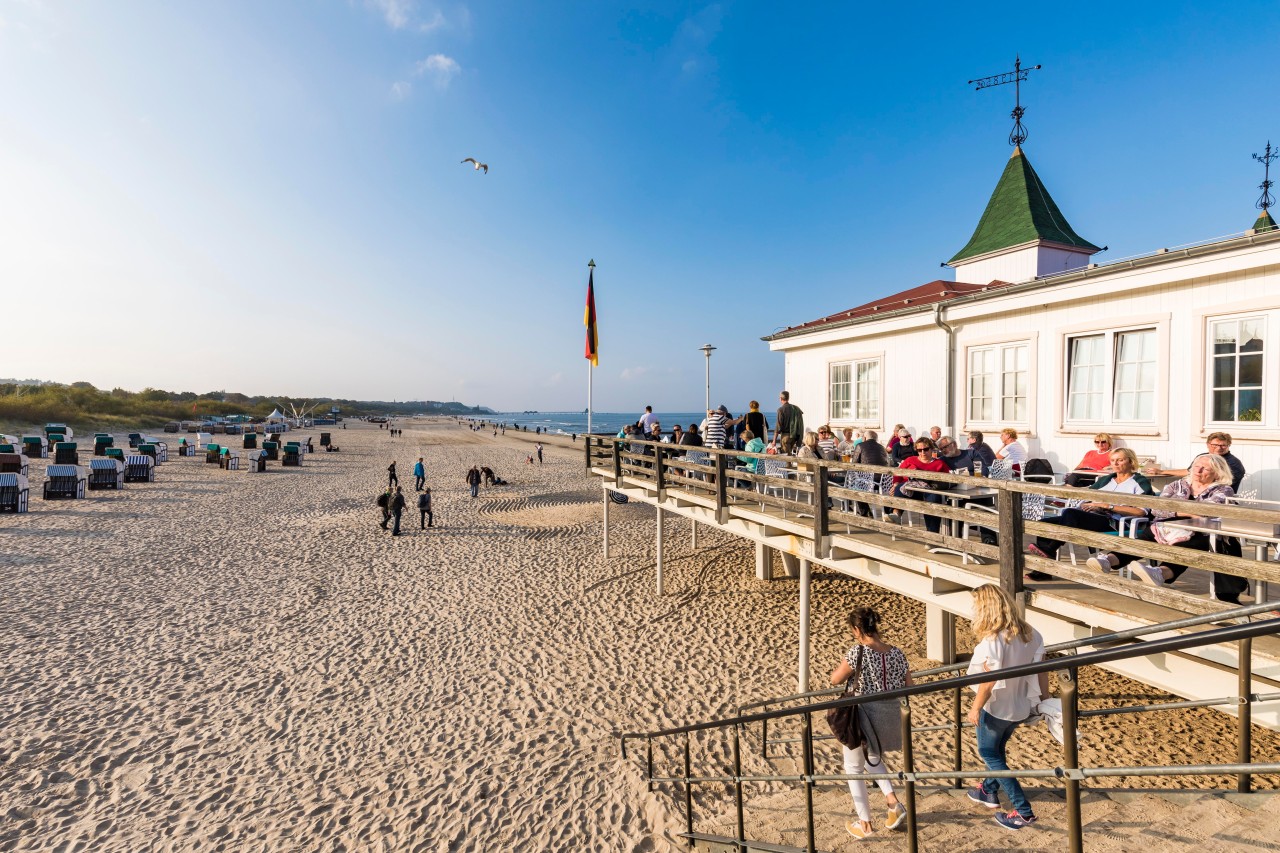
(791,518)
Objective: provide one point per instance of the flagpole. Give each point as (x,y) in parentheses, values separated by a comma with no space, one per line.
(591,265)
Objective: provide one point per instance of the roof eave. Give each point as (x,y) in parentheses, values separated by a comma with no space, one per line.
(1039,241)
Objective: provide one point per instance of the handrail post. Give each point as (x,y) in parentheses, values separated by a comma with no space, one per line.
(909,766)
(617,463)
(648,760)
(764,738)
(1244,715)
(957,744)
(1067,680)
(821,521)
(688,789)
(722,489)
(1009,506)
(810,840)
(659,481)
(737,785)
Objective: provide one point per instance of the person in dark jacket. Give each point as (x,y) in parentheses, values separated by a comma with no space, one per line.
(397,507)
(473,479)
(692,438)
(905,448)
(980,451)
(384,504)
(870,451)
(424,509)
(392,479)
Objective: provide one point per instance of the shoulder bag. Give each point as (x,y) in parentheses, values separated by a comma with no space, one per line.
(843,721)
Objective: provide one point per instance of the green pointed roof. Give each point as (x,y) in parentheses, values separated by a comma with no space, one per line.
(1020,211)
(1264,222)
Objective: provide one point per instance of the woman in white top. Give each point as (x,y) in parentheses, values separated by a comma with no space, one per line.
(880,667)
(1012,452)
(1005,640)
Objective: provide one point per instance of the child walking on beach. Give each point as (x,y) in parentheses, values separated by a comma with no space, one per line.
(873,666)
(1004,640)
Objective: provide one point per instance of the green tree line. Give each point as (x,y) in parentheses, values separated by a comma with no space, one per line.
(85,407)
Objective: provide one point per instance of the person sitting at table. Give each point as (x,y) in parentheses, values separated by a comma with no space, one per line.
(1219,444)
(950,453)
(869,452)
(826,442)
(1209,482)
(904,449)
(754,444)
(1098,513)
(980,451)
(1097,459)
(809,450)
(852,438)
(692,438)
(677,437)
(893,437)
(1011,450)
(924,460)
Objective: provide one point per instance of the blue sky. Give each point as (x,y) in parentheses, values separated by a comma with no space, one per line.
(268,198)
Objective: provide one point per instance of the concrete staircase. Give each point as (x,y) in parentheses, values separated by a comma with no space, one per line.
(1114,820)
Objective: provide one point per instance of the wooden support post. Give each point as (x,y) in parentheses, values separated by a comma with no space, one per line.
(821,521)
(803,680)
(1009,506)
(940,634)
(693,534)
(607,501)
(722,490)
(660,513)
(764,562)
(617,463)
(659,480)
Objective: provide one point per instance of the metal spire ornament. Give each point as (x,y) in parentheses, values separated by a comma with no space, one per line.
(1265,200)
(1018,135)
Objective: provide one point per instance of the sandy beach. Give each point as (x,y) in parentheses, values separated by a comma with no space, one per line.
(226,661)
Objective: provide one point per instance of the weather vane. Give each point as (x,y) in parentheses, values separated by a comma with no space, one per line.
(1265,200)
(1018,135)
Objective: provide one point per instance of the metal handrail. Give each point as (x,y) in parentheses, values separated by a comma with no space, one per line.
(1068,645)
(1071,772)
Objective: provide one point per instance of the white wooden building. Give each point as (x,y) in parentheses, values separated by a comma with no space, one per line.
(1158,350)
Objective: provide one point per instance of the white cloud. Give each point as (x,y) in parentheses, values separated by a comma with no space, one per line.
(555,378)
(395,12)
(439,68)
(437,21)
(633,373)
(401,89)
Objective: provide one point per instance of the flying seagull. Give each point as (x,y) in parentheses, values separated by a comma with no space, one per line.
(477,164)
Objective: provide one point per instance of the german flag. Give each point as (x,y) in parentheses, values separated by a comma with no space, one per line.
(589,320)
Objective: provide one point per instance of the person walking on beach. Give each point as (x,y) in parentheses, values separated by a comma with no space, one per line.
(397,508)
(392,479)
(872,666)
(424,509)
(384,503)
(419,475)
(1004,640)
(473,480)
(539,453)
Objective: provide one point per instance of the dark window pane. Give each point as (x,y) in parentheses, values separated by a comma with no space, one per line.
(1250,405)
(1224,406)
(1224,372)
(1224,347)
(1251,370)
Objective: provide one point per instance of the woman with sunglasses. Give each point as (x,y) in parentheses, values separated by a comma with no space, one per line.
(926,459)
(1098,459)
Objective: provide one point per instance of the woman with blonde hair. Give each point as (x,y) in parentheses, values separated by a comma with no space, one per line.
(871,666)
(809,450)
(1005,640)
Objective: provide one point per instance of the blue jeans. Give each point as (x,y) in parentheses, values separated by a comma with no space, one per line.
(475,489)
(993,735)
(932,523)
(418,482)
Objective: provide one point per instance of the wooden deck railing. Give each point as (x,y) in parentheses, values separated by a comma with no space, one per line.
(824,502)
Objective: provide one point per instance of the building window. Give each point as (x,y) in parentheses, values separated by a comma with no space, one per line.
(1236,371)
(855,390)
(998,383)
(1112,372)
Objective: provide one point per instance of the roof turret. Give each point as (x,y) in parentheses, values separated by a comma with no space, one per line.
(1020,211)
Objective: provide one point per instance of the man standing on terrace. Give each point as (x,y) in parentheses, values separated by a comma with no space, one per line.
(647,419)
(790,420)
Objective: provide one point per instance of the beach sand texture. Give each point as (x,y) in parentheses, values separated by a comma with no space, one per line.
(226,661)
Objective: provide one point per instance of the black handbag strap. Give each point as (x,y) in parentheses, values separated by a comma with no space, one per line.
(852,686)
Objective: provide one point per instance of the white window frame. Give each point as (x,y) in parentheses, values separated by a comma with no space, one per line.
(1269,319)
(876,364)
(1025,427)
(1158,425)
(999,392)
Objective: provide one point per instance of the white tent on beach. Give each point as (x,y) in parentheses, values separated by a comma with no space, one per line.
(276,417)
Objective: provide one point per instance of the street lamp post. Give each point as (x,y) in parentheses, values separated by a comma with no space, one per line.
(706,350)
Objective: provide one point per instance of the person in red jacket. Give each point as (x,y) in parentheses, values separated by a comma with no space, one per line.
(926,459)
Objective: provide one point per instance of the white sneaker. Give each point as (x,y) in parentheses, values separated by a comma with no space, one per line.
(891,518)
(1153,575)
(1102,563)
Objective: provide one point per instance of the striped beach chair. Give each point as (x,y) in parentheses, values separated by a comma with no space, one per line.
(64,481)
(13,463)
(139,469)
(292,454)
(115,453)
(13,492)
(65,453)
(105,473)
(257,461)
(213,453)
(250,441)
(230,459)
(272,449)
(148,449)
(35,447)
